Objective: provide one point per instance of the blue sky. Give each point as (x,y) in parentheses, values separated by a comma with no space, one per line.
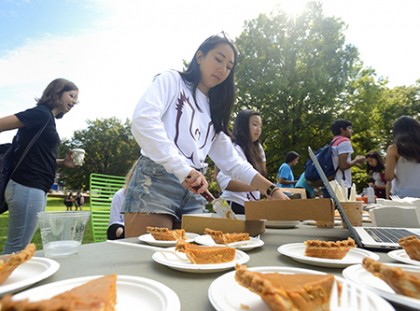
(112,48)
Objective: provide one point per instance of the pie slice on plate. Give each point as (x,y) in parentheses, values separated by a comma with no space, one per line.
(281,292)
(411,245)
(402,282)
(99,294)
(328,249)
(14,261)
(164,234)
(206,254)
(224,238)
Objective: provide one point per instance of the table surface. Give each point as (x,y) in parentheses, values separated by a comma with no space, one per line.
(191,288)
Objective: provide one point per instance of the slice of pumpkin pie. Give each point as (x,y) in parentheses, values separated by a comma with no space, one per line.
(402,282)
(224,238)
(329,249)
(206,254)
(411,245)
(164,234)
(99,294)
(288,292)
(15,260)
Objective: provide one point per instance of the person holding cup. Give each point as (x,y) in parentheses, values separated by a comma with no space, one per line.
(26,191)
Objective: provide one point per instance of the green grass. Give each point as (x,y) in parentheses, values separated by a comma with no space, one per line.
(53,204)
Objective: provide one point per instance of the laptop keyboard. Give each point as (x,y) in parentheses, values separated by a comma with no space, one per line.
(388,234)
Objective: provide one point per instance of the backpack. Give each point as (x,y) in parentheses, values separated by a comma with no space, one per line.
(6,168)
(324,156)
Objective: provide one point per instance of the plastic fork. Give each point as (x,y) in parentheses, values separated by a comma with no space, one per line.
(352,298)
(395,197)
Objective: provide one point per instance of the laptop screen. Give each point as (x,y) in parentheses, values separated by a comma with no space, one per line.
(334,197)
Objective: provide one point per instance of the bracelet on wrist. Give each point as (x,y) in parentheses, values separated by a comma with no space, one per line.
(273,188)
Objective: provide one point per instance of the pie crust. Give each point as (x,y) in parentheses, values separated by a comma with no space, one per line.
(99,294)
(164,234)
(14,261)
(411,245)
(224,238)
(402,282)
(206,254)
(328,249)
(303,292)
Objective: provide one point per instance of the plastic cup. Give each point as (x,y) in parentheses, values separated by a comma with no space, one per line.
(78,156)
(354,211)
(62,232)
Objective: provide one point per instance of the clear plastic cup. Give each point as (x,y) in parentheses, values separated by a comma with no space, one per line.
(78,156)
(62,232)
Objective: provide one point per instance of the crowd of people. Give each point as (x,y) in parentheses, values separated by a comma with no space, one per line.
(182,118)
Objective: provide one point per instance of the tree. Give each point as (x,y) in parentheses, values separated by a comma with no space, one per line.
(293,71)
(110,149)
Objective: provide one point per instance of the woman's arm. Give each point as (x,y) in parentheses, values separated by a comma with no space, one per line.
(391,161)
(67,161)
(10,123)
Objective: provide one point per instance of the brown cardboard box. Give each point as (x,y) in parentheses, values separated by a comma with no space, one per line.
(198,222)
(310,209)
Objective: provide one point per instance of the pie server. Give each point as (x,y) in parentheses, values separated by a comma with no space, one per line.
(220,206)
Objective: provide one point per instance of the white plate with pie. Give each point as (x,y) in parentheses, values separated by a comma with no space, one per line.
(149,239)
(296,251)
(401,255)
(207,240)
(29,273)
(133,293)
(184,265)
(361,276)
(225,294)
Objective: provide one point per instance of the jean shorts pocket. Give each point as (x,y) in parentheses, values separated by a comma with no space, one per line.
(151,168)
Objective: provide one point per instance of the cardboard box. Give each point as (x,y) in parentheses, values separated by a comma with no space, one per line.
(198,222)
(309,209)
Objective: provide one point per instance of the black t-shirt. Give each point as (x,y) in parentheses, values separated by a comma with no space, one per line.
(37,169)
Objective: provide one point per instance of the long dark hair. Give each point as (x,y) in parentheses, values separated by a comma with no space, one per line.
(406,132)
(242,137)
(53,92)
(222,96)
(380,167)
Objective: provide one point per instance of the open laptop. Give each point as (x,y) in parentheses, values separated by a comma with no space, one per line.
(379,238)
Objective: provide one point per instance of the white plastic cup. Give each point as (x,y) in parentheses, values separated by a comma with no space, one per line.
(78,156)
(62,232)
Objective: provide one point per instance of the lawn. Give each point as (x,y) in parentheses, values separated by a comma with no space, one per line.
(53,204)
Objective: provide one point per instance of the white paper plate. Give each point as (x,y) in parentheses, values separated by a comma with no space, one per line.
(186,266)
(225,294)
(29,273)
(361,276)
(208,241)
(281,224)
(401,255)
(296,251)
(133,293)
(313,222)
(149,239)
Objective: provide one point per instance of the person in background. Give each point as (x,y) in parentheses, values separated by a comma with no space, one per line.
(402,162)
(26,191)
(79,201)
(182,118)
(246,134)
(116,227)
(375,168)
(302,183)
(68,201)
(341,152)
(285,177)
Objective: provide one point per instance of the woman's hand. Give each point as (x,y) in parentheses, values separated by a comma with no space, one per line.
(279,195)
(195,182)
(67,161)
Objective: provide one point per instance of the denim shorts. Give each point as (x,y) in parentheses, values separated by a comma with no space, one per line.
(153,190)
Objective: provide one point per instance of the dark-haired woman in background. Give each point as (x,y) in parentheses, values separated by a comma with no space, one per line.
(375,168)
(246,135)
(402,164)
(26,191)
(285,177)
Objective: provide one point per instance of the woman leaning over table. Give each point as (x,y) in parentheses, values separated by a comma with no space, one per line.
(402,163)
(26,191)
(182,118)
(246,135)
